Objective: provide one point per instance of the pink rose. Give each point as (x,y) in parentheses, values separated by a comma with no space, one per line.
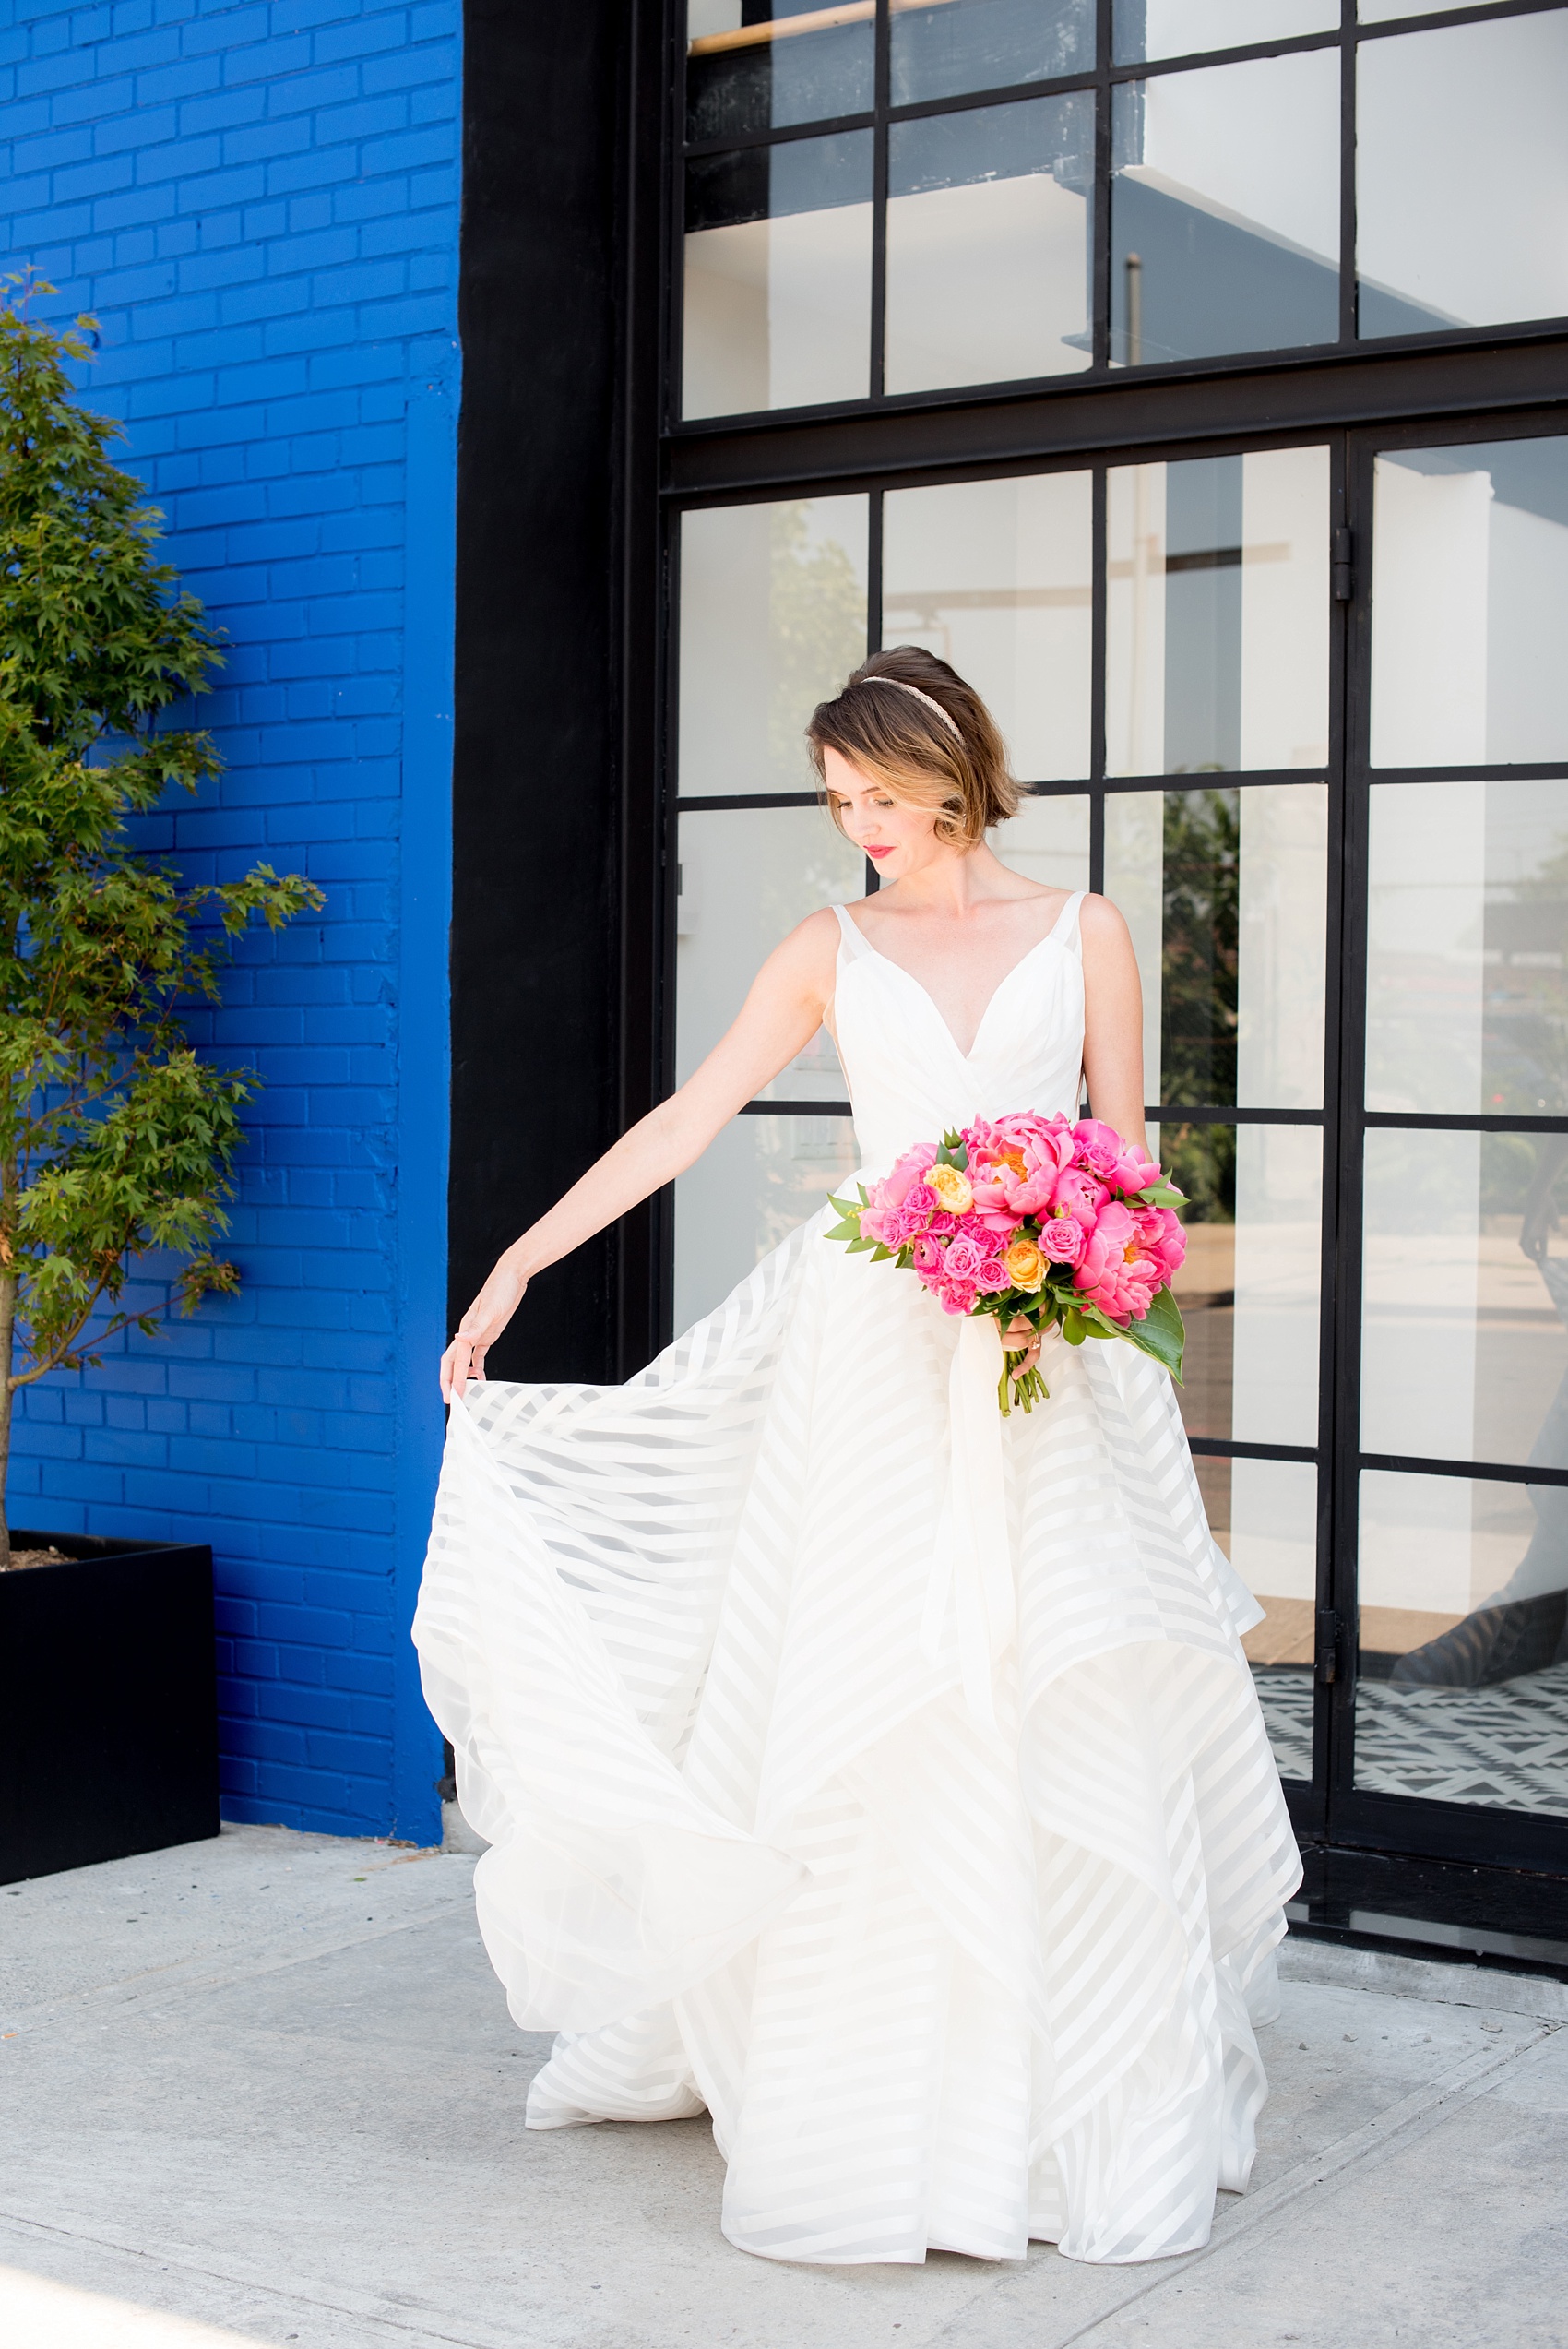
(941,1222)
(928,1256)
(963,1259)
(1062,1239)
(1075,1192)
(957,1296)
(922,1201)
(875,1224)
(992,1277)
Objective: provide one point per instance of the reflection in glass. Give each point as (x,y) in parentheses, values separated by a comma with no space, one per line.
(1216,615)
(746,876)
(1462,175)
(1249,1288)
(988,244)
(995,577)
(773,618)
(1262,1513)
(783,65)
(1464,1289)
(1180,28)
(986,44)
(1224,209)
(777,276)
(1462,1694)
(1470,604)
(1468,948)
(1225,894)
(1048,841)
(755,1181)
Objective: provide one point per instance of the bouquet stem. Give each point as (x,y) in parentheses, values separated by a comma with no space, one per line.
(1029,1390)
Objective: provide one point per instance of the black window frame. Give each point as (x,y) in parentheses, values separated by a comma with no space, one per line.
(1099,80)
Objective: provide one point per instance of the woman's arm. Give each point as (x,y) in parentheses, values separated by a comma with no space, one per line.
(1113,1020)
(779,1019)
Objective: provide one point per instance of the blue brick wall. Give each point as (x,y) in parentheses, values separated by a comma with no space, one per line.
(258,201)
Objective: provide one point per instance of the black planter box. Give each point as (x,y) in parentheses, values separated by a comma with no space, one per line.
(108,1703)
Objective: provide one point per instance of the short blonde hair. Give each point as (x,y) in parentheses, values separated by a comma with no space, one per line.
(952,759)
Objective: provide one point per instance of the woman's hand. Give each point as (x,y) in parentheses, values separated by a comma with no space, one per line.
(480,1326)
(1023,1333)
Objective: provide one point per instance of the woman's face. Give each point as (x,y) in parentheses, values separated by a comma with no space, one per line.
(898,839)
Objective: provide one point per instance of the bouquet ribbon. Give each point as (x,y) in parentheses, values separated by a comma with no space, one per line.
(971,1567)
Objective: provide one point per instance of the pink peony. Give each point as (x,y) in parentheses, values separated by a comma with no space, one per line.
(1114,1273)
(1161,1236)
(1062,1239)
(1014,1164)
(1077,1192)
(928,1256)
(1102,1149)
(895,1187)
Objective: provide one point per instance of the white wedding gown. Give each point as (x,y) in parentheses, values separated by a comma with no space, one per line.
(950,1967)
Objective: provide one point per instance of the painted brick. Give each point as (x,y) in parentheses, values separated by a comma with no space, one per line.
(257,199)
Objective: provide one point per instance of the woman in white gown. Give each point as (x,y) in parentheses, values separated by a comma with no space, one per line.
(881,1775)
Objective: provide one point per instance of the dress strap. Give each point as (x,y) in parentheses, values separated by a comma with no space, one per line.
(853,939)
(1065,929)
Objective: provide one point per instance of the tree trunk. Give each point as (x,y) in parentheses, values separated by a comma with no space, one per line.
(7,1398)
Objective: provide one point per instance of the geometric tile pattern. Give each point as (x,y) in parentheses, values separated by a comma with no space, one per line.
(1505,1747)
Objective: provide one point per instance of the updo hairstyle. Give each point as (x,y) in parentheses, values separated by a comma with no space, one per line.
(918,759)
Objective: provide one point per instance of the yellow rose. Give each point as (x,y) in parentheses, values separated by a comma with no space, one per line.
(952,1187)
(1026,1265)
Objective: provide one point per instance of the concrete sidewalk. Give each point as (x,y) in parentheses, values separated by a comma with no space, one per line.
(265,2089)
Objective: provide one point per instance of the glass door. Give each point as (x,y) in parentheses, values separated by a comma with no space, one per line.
(1451,1732)
(1158,640)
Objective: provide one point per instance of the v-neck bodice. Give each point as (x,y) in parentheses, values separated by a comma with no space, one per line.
(909,1080)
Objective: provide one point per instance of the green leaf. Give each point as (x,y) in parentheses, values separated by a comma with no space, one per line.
(1160,1333)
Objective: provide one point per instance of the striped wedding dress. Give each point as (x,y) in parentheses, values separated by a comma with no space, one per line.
(954,1957)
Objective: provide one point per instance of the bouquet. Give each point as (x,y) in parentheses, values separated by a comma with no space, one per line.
(1063,1226)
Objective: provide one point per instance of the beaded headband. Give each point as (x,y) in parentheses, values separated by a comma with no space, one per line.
(946,717)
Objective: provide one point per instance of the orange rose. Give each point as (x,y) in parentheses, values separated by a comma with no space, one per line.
(1026,1265)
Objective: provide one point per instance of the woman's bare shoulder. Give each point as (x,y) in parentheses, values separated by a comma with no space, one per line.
(1101,922)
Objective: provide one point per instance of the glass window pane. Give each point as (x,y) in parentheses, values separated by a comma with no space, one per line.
(987,44)
(1224,209)
(1465,1286)
(1262,1513)
(1224,893)
(1180,28)
(1048,841)
(1470,605)
(777,276)
(755,1182)
(1468,948)
(1216,615)
(1463,1687)
(1462,176)
(1249,1288)
(988,244)
(773,618)
(745,877)
(995,577)
(783,65)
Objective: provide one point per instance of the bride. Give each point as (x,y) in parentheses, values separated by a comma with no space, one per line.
(950,1967)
